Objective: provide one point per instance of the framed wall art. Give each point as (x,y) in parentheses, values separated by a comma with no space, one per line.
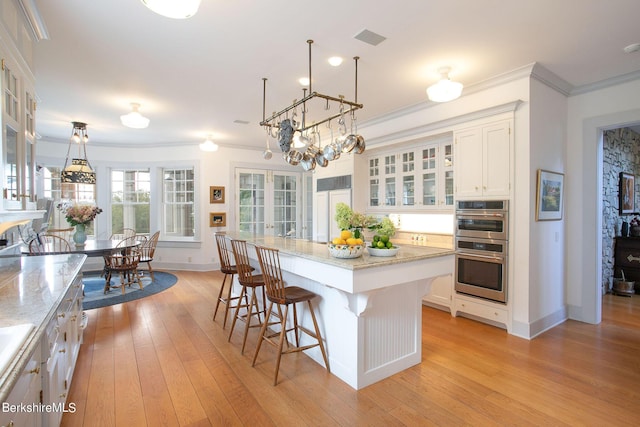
(216,194)
(549,195)
(217,219)
(627,193)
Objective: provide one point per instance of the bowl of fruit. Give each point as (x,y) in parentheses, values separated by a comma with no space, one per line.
(346,246)
(382,246)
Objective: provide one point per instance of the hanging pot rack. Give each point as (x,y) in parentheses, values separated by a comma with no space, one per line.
(352,106)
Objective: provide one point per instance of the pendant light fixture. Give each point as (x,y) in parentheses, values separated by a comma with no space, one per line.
(209,145)
(176,9)
(445,90)
(134,119)
(79,170)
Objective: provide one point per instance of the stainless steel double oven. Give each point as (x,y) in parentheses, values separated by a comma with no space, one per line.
(481,239)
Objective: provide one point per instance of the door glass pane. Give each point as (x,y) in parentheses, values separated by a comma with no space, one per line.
(11,164)
(373,192)
(390,191)
(408,195)
(448,188)
(429,189)
(251,200)
(284,205)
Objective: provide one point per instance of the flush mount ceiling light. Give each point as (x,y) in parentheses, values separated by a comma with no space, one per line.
(209,145)
(79,171)
(134,119)
(176,9)
(445,90)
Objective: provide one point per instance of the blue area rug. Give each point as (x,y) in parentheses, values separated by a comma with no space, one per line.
(94,296)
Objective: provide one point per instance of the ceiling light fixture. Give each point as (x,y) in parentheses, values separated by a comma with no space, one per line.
(445,90)
(176,9)
(300,142)
(134,119)
(79,171)
(335,61)
(209,145)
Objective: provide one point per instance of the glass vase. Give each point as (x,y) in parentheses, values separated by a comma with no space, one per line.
(79,237)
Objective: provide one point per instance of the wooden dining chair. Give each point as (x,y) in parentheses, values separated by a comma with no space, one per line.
(48,244)
(65,233)
(147,249)
(284,296)
(125,265)
(245,311)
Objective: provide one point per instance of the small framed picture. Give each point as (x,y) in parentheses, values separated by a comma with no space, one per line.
(627,193)
(549,196)
(216,194)
(217,219)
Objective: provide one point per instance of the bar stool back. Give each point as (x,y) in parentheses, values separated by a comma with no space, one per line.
(284,296)
(247,280)
(229,269)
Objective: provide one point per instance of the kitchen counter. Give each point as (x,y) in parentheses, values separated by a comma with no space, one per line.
(31,289)
(369,308)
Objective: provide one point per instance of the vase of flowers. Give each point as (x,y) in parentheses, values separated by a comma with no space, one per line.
(79,215)
(356,222)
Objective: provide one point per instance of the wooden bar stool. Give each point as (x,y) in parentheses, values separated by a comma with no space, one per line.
(284,296)
(248,281)
(229,269)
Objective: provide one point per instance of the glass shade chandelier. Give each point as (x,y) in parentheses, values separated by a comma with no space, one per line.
(176,9)
(445,90)
(134,119)
(79,171)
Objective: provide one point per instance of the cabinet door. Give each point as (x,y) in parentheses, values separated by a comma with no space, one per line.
(429,175)
(407,178)
(468,152)
(496,159)
(374,182)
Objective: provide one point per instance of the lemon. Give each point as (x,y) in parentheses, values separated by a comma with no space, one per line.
(351,241)
(337,241)
(359,241)
(345,234)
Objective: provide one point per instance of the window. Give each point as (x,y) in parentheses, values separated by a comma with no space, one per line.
(178,203)
(130,200)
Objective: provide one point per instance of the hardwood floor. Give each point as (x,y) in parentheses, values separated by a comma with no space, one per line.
(162,361)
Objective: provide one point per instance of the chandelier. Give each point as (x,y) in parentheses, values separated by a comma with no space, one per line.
(299,136)
(79,171)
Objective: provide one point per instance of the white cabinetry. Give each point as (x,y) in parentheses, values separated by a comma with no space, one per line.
(483,160)
(63,339)
(415,177)
(26,392)
(490,312)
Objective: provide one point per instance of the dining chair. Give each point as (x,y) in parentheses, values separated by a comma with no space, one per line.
(284,296)
(247,280)
(125,265)
(229,269)
(65,233)
(48,244)
(147,249)
(126,233)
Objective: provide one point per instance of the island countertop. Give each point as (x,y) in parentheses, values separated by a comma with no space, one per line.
(319,252)
(31,289)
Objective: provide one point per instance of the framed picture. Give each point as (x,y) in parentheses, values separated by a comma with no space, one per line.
(217,219)
(627,193)
(216,194)
(549,196)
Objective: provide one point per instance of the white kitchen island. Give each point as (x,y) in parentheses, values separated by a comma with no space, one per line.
(369,308)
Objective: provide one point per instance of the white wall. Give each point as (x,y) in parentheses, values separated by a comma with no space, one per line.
(589,114)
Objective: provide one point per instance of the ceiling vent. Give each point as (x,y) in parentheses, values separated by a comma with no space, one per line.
(370,37)
(241,122)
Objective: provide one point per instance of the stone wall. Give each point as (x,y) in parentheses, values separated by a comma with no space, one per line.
(621,153)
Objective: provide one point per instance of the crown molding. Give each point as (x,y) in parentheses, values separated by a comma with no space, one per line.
(34,19)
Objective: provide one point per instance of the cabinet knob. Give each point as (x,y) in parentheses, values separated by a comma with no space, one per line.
(35,370)
(61,315)
(62,351)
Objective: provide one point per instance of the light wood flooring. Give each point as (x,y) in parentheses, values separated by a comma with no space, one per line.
(162,361)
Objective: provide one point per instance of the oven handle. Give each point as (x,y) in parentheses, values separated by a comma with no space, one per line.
(463,214)
(470,255)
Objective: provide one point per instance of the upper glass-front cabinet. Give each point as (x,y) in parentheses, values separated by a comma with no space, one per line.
(417,177)
(18,137)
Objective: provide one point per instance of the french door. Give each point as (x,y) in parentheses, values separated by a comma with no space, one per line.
(269,202)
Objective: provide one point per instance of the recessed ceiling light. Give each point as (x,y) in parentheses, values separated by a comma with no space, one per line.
(632,48)
(335,61)
(304,81)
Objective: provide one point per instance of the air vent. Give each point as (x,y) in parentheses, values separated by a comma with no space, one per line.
(370,37)
(241,122)
(334,183)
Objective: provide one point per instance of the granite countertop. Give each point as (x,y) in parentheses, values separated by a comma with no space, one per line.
(319,252)
(31,289)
